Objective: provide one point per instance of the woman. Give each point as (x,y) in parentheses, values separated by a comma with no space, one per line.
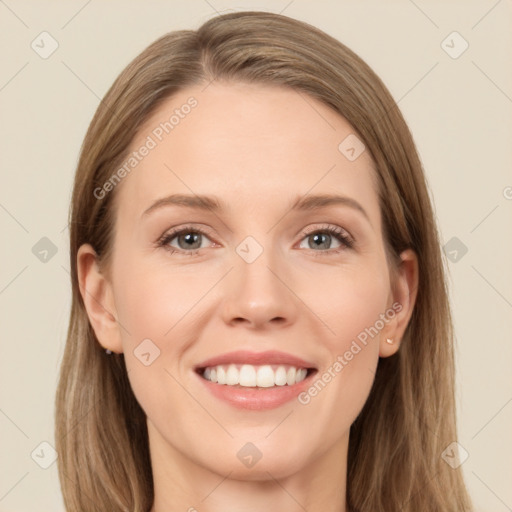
(260,315)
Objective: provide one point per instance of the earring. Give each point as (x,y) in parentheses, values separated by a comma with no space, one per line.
(390,341)
(108,351)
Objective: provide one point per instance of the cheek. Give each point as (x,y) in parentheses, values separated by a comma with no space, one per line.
(151,302)
(341,388)
(350,303)
(158,308)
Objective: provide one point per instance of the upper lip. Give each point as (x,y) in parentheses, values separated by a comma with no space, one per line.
(256,358)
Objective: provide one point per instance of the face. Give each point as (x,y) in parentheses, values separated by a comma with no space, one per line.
(277,282)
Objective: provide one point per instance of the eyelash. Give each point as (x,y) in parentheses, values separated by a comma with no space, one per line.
(338,233)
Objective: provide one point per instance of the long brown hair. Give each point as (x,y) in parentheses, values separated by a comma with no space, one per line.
(394,460)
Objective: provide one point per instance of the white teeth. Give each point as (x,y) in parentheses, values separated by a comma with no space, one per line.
(280,376)
(290,376)
(248,375)
(232,375)
(221,375)
(265,377)
(301,375)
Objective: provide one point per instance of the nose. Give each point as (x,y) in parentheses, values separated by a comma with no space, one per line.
(259,295)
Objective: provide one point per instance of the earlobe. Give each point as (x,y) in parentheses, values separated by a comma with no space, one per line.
(388,347)
(96,291)
(404,298)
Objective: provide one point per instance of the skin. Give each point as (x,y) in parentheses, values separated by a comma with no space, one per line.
(258,149)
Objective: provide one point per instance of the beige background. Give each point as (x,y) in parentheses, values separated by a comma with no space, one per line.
(459,111)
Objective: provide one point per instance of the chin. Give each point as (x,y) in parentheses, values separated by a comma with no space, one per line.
(256,462)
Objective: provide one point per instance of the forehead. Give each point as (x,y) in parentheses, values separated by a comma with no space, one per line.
(254,146)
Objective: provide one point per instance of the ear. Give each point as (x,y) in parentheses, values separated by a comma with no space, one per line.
(96,291)
(403,298)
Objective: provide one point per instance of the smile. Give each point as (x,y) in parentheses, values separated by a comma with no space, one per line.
(256,381)
(248,375)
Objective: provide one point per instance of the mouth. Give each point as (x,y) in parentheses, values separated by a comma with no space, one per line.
(255,381)
(255,376)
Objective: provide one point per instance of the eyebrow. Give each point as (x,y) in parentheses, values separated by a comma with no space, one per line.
(306,203)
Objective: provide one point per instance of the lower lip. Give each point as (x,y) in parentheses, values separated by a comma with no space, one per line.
(256,399)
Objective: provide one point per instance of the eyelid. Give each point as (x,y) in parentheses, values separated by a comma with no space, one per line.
(346,240)
(186,228)
(327,228)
